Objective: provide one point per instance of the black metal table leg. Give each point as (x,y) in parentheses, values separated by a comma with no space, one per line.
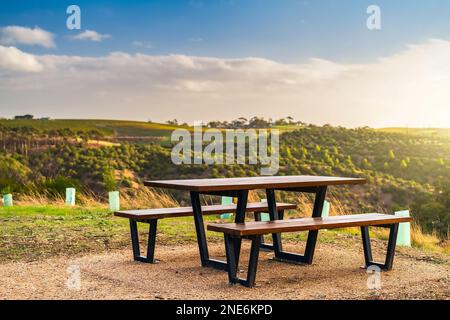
(366,246)
(241,208)
(273,212)
(200,228)
(391,247)
(312,235)
(231,258)
(252,263)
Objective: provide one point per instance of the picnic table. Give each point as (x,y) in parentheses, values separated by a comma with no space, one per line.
(239,188)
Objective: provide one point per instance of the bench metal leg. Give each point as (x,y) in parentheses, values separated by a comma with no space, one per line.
(308,256)
(150,245)
(387,265)
(233,263)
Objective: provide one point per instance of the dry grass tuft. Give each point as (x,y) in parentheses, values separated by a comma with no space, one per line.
(135,199)
(147,198)
(427,241)
(39,199)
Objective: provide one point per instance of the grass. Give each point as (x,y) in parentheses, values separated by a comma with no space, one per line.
(30,233)
(34,232)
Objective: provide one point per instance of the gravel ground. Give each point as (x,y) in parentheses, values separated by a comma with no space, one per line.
(335,274)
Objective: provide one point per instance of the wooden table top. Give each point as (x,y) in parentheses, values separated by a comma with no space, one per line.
(249,183)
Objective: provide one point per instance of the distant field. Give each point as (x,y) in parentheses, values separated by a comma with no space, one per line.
(110,128)
(107,127)
(124,128)
(444,132)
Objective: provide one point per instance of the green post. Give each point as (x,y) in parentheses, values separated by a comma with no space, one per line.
(226,201)
(326,209)
(264,215)
(114,200)
(7,200)
(70,196)
(404,230)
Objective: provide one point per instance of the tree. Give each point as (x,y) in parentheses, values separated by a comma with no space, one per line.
(173,122)
(432,211)
(26,116)
(391,154)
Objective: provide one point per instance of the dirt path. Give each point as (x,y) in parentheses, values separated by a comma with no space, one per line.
(335,274)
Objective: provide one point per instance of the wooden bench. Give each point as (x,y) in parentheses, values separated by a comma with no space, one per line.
(151,216)
(254,230)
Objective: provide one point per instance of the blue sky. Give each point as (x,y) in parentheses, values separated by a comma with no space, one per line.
(287,30)
(221,59)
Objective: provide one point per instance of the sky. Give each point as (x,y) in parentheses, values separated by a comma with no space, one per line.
(199,60)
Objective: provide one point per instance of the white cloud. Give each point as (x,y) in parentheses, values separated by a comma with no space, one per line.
(12,59)
(13,35)
(91,35)
(408,88)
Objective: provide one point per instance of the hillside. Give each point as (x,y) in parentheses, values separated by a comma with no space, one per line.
(404,170)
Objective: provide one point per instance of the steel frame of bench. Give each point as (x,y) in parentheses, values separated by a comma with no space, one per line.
(387,265)
(233,251)
(242,196)
(289,257)
(249,281)
(149,258)
(233,263)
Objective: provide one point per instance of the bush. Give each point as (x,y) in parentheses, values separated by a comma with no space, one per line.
(57,187)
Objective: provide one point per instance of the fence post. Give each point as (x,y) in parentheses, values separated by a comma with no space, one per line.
(7,200)
(70,196)
(226,201)
(326,209)
(114,200)
(264,215)
(404,230)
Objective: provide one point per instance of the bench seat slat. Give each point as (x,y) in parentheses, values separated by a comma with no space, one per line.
(161,213)
(306,224)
